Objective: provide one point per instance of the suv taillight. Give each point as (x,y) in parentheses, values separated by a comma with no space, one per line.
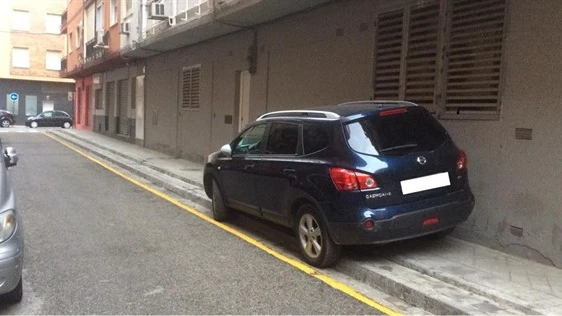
(462,160)
(349,180)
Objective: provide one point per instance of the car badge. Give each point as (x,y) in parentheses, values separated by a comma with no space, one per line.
(421,160)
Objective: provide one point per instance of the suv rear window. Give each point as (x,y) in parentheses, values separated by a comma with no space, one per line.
(396,134)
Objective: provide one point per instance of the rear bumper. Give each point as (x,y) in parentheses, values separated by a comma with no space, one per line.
(403,226)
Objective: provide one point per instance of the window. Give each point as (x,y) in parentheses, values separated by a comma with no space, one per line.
(70,41)
(99,15)
(455,73)
(30,105)
(52,23)
(11,105)
(190,85)
(20,20)
(78,35)
(48,105)
(47,114)
(249,142)
(283,139)
(113,14)
(97,100)
(90,21)
(127,7)
(20,57)
(61,114)
(315,138)
(53,59)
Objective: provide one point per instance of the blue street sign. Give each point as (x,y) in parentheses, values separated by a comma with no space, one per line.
(14,96)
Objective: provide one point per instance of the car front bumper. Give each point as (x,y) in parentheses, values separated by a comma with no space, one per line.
(403,226)
(11,261)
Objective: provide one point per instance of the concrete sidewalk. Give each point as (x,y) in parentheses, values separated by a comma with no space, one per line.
(442,277)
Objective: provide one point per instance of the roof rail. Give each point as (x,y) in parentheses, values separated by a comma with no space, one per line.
(381,102)
(301,113)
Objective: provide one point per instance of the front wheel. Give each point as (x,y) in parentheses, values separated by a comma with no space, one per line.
(33,124)
(66,125)
(221,212)
(15,295)
(315,244)
(5,123)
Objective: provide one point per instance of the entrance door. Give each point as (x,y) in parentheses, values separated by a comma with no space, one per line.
(139,107)
(244,100)
(123,112)
(48,105)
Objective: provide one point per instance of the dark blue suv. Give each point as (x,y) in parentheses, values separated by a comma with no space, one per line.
(356,173)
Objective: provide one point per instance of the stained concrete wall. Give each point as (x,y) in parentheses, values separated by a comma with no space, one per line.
(326,56)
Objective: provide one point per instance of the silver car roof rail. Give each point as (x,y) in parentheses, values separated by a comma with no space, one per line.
(381,102)
(321,115)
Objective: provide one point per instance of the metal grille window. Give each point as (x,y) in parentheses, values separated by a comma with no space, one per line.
(190,87)
(474,50)
(445,55)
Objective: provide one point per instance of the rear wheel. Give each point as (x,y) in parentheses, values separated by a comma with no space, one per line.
(221,213)
(5,123)
(315,244)
(34,124)
(15,295)
(66,125)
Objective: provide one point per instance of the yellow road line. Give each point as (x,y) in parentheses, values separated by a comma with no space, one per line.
(297,264)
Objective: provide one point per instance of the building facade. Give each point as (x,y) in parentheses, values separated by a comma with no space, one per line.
(196,72)
(30,59)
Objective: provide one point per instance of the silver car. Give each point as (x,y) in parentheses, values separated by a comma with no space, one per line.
(11,235)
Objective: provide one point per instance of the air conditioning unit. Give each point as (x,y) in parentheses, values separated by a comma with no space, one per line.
(125,27)
(100,38)
(157,11)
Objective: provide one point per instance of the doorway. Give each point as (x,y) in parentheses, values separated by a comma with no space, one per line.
(244,99)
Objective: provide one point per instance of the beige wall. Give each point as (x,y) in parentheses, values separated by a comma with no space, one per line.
(36,39)
(301,63)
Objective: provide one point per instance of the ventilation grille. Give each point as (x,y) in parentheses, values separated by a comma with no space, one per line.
(388,55)
(190,87)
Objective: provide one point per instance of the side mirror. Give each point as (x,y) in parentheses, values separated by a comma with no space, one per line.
(10,157)
(226,150)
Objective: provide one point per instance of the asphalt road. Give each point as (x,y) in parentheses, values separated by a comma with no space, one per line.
(97,244)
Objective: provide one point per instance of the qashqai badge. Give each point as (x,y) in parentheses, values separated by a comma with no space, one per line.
(421,160)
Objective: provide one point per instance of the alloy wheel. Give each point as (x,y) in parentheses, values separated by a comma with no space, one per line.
(310,236)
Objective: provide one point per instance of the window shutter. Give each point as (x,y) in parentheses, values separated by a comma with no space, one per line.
(474,50)
(190,87)
(388,55)
(421,60)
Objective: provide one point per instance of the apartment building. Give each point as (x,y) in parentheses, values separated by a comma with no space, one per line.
(192,73)
(30,58)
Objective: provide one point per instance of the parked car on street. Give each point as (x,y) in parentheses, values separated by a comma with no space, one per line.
(365,172)
(50,118)
(11,234)
(6,118)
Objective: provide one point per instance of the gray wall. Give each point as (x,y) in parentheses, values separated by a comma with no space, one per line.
(302,62)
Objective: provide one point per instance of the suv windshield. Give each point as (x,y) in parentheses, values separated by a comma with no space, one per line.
(395,134)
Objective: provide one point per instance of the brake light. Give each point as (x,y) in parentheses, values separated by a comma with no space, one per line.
(349,180)
(462,160)
(392,112)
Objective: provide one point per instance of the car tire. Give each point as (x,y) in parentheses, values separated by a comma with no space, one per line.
(221,212)
(315,244)
(5,123)
(441,234)
(15,295)
(33,124)
(66,125)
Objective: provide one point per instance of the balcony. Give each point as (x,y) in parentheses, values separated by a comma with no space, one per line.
(63,21)
(200,20)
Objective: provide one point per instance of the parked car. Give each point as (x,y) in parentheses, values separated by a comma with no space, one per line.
(351,174)
(6,118)
(11,234)
(50,118)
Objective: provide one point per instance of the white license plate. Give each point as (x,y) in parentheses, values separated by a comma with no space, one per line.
(433,181)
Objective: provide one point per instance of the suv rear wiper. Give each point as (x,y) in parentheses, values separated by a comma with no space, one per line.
(411,145)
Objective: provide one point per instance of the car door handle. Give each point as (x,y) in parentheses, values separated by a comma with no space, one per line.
(249,166)
(289,170)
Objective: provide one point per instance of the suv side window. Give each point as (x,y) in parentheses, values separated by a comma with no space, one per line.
(249,142)
(283,139)
(315,138)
